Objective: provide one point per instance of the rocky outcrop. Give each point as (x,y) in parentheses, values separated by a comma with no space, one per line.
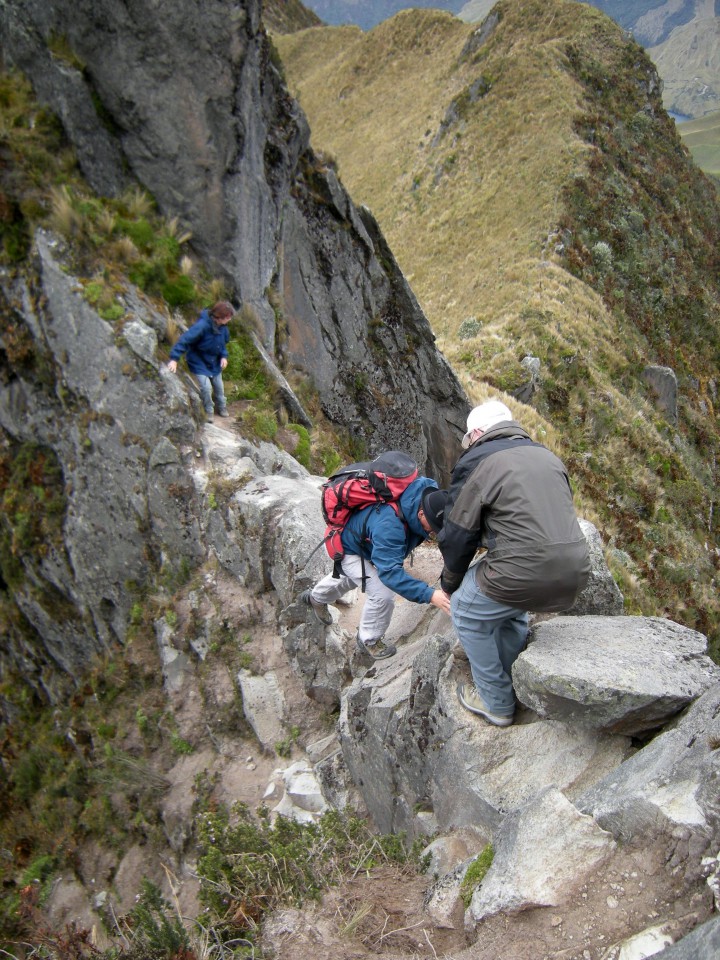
(664,390)
(601,594)
(670,786)
(194,108)
(404,737)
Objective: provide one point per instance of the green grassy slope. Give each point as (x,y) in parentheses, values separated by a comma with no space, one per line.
(702,138)
(541,204)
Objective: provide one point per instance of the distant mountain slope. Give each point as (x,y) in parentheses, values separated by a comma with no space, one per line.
(689,63)
(286,16)
(681,37)
(476,10)
(652,21)
(542,206)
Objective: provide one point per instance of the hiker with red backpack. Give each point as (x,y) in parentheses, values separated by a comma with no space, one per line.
(375,520)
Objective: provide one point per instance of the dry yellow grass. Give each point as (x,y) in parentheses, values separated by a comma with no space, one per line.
(469,215)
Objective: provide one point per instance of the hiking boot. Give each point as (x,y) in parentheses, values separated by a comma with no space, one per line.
(378,649)
(319,609)
(472,701)
(209,417)
(223,412)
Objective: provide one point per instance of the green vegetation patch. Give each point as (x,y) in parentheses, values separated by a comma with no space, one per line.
(475,874)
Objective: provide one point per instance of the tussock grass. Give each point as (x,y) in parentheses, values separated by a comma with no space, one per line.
(64,217)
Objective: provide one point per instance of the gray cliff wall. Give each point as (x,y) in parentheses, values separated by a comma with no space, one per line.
(195,109)
(101,406)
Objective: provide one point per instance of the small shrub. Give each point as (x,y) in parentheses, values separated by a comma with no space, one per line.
(179,291)
(602,256)
(469,328)
(181,746)
(140,232)
(246,660)
(112,312)
(64,217)
(261,423)
(331,461)
(148,275)
(154,928)
(142,721)
(284,747)
(136,202)
(302,451)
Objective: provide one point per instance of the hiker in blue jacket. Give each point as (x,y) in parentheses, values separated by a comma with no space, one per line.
(205,347)
(376,543)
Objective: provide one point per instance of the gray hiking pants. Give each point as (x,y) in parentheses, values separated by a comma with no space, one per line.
(379,599)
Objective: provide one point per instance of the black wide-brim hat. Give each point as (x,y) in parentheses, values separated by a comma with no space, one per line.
(433,504)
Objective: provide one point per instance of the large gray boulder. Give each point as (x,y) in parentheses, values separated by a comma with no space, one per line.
(702,943)
(624,675)
(543,851)
(405,737)
(669,788)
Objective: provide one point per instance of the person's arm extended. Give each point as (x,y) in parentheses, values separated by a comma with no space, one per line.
(389,547)
(441,600)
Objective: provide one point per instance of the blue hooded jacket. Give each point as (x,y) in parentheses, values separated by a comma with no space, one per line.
(389,541)
(204,345)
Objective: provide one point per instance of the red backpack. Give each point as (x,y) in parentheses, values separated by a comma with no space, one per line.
(382,480)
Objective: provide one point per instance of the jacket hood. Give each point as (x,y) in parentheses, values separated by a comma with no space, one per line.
(411,501)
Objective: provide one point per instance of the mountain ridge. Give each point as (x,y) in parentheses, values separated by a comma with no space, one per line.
(526,198)
(674,36)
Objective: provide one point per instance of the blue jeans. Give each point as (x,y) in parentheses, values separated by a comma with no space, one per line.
(208,387)
(493,635)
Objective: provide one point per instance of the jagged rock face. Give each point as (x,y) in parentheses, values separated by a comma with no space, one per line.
(116,425)
(201,117)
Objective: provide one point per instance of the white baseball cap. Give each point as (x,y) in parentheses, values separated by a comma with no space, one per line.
(484,417)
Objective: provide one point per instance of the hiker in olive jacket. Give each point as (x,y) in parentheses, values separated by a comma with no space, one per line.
(510,497)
